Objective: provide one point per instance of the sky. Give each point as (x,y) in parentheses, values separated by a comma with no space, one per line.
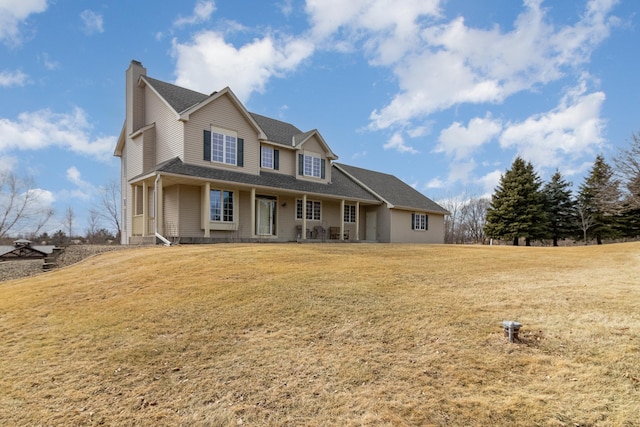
(443,94)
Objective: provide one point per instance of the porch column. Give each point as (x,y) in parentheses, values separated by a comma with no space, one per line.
(342,219)
(145,209)
(357,221)
(304,217)
(253,212)
(206,206)
(159,213)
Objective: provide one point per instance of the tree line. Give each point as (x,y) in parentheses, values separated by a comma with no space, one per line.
(605,207)
(23,214)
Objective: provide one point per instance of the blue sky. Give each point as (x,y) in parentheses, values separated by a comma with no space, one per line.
(441,93)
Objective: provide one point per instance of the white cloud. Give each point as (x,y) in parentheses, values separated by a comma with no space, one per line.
(13,13)
(489,182)
(7,163)
(435,183)
(396,142)
(91,22)
(201,13)
(459,141)
(209,63)
(562,136)
(85,189)
(12,78)
(48,62)
(389,28)
(44,128)
(286,7)
(455,64)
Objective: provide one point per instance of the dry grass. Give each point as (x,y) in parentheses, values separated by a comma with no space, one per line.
(331,335)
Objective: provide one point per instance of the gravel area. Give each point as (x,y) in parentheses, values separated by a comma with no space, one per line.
(70,255)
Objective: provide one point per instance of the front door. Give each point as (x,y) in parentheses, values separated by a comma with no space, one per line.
(265,216)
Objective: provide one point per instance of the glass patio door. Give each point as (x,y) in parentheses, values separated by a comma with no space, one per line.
(265,216)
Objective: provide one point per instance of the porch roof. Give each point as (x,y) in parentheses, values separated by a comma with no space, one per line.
(341,185)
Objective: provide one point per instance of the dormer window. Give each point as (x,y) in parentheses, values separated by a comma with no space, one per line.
(312,166)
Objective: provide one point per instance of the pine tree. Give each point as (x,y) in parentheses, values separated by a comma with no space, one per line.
(560,208)
(517,208)
(599,199)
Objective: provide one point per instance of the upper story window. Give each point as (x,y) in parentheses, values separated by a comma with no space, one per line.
(223,147)
(311,165)
(269,158)
(350,213)
(419,221)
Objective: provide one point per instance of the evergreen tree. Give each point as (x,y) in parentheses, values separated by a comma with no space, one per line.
(599,199)
(517,205)
(560,208)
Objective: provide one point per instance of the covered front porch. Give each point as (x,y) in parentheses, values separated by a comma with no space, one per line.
(191,210)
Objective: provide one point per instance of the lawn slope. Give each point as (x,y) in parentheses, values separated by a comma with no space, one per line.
(331,335)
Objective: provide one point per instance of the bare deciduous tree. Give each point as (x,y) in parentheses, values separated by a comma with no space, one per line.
(93,225)
(109,205)
(69,217)
(475,218)
(21,207)
(627,164)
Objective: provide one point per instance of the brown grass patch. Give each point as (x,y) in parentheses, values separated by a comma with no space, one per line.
(332,335)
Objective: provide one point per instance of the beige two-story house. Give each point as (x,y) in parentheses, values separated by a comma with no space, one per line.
(200,168)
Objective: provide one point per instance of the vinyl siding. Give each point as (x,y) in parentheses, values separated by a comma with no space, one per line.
(224,114)
(133,151)
(401,228)
(169,130)
(189,211)
(171,218)
(149,149)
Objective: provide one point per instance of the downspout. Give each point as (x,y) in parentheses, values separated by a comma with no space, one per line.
(155,222)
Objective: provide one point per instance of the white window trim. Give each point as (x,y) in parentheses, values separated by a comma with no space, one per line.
(226,134)
(233,206)
(352,213)
(313,203)
(262,157)
(419,221)
(312,158)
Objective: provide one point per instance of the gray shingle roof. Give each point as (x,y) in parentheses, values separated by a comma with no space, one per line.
(276,130)
(178,97)
(393,190)
(341,185)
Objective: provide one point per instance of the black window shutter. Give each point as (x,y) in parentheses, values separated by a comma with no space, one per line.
(207,145)
(323,163)
(276,159)
(240,161)
(300,164)
(413,221)
(426,222)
